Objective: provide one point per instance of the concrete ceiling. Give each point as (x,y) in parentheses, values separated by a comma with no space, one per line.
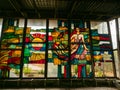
(67,9)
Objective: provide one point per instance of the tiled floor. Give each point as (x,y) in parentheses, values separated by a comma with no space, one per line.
(90,88)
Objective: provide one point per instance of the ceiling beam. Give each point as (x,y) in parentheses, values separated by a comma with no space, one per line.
(14,4)
(80,13)
(72,7)
(56,8)
(36,9)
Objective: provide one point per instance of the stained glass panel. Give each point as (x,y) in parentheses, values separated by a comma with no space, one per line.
(100,41)
(104,69)
(58,59)
(58,49)
(58,37)
(11,46)
(102,56)
(36,30)
(102,50)
(82,70)
(10,62)
(35,48)
(34,53)
(35,35)
(12,36)
(34,60)
(81,64)
(63,51)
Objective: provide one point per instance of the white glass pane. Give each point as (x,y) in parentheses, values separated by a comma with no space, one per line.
(21,22)
(36,23)
(117,63)
(14,73)
(1,21)
(53,24)
(119,27)
(33,70)
(101,26)
(52,70)
(113,33)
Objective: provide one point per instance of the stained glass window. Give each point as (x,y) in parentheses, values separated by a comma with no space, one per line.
(11,46)
(10,62)
(102,50)
(35,47)
(12,36)
(81,64)
(56,49)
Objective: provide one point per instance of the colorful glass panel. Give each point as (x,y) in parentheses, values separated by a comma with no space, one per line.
(34,53)
(58,36)
(36,30)
(12,36)
(58,57)
(81,64)
(102,59)
(34,60)
(11,46)
(35,35)
(35,48)
(100,41)
(102,50)
(102,56)
(58,61)
(58,49)
(87,51)
(10,62)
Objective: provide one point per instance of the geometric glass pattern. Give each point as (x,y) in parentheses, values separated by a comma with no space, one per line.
(50,48)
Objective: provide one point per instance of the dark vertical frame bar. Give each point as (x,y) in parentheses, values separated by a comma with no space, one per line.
(23,47)
(91,46)
(118,41)
(59,71)
(109,32)
(17,22)
(69,47)
(117,34)
(46,52)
